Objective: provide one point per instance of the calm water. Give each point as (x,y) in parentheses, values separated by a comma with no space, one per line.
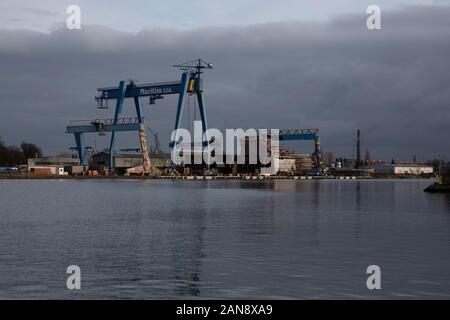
(223,239)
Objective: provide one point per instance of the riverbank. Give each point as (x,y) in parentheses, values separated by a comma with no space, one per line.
(200,177)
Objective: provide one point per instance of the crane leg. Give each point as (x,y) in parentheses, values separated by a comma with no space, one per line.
(119,105)
(80,148)
(144,148)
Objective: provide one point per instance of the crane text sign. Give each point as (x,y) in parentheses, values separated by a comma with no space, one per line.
(151,91)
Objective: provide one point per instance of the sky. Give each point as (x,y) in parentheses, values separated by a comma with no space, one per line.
(138,15)
(278,64)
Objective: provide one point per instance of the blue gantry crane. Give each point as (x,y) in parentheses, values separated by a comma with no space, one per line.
(191,83)
(304,134)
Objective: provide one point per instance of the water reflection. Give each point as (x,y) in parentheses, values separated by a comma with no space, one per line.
(357,230)
(358,195)
(222,239)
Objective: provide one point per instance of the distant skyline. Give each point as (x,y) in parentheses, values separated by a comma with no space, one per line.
(274,68)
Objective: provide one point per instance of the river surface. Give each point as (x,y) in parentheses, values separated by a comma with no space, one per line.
(143,239)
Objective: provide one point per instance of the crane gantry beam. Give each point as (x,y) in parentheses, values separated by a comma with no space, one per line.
(304,134)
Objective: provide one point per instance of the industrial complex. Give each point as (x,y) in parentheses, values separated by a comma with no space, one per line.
(141,161)
(149,160)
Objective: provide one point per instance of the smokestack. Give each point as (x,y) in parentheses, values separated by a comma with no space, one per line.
(358,148)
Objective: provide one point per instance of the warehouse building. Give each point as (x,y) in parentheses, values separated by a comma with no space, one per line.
(128,163)
(55,165)
(404,169)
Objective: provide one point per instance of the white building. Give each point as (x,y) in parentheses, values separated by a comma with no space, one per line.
(51,165)
(409,169)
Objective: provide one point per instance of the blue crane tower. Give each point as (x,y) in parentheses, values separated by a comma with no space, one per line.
(191,83)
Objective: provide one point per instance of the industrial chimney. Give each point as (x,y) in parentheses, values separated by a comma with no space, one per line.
(358,149)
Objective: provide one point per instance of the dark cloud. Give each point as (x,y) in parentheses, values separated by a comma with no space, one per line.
(339,76)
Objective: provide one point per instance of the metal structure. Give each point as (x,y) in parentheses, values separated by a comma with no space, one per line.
(299,134)
(131,150)
(156,149)
(191,83)
(304,134)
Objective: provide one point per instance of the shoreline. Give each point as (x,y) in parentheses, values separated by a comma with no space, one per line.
(201,177)
(438,188)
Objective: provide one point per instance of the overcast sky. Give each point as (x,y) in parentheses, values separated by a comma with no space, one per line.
(278,64)
(138,15)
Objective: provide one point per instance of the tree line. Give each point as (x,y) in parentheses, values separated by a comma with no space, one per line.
(11,156)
